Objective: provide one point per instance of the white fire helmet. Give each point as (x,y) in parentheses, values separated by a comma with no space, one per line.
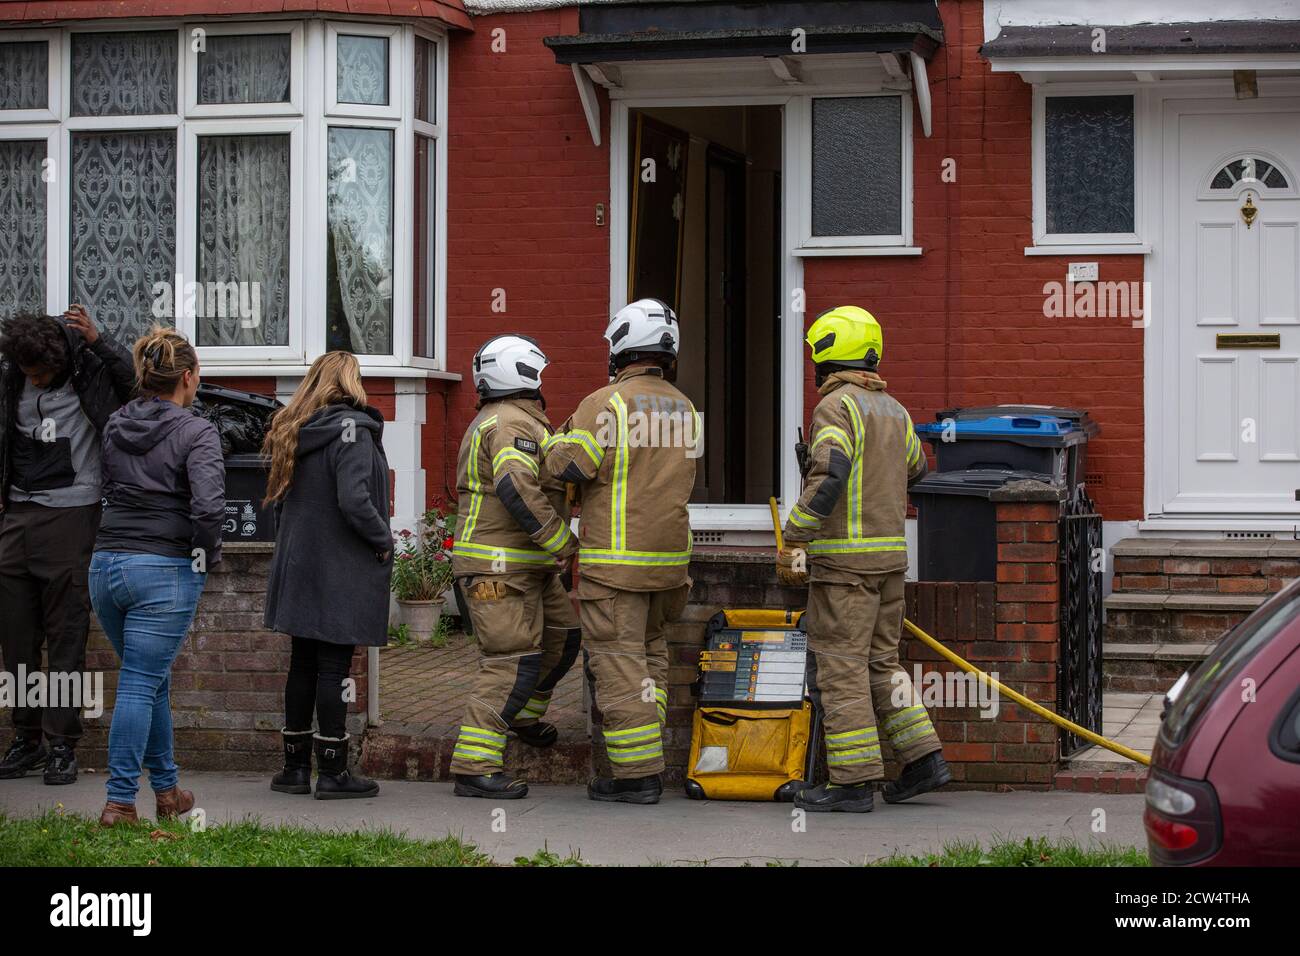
(646,325)
(507,365)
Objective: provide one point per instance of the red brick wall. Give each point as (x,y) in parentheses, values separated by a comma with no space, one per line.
(964,322)
(523,183)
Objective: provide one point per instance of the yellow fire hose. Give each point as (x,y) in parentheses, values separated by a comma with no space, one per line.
(969,668)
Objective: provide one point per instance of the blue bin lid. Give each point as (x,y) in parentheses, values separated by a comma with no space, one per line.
(1018,427)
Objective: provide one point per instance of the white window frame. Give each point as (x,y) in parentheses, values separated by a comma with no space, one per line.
(1044,239)
(434,131)
(53,65)
(294,105)
(54,232)
(187,320)
(399,54)
(845,244)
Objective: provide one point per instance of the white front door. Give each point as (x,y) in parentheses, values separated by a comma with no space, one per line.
(1233,434)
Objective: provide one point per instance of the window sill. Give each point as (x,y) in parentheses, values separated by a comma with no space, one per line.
(290,371)
(1101,249)
(854,251)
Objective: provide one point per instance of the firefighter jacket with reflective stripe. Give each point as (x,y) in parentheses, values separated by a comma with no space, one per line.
(863,455)
(512,517)
(631,448)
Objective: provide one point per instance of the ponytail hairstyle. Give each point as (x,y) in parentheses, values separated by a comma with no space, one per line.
(333,378)
(161,360)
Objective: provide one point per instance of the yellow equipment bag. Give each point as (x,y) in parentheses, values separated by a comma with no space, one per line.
(754,730)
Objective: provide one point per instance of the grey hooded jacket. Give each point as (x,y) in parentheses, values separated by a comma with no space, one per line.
(164,482)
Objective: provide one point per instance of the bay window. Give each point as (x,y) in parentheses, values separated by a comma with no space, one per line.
(250,183)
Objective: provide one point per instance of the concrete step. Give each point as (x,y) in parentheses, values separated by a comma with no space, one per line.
(1247,566)
(1148,667)
(1157,618)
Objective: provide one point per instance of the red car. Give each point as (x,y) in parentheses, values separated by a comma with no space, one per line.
(1224,787)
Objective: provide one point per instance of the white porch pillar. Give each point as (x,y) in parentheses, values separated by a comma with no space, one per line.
(402,445)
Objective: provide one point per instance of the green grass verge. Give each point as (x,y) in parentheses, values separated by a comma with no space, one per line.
(1026,852)
(66,839)
(59,838)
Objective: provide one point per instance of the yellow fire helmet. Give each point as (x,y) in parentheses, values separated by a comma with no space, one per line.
(846,335)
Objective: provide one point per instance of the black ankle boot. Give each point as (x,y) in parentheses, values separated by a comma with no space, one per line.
(23,755)
(642,790)
(334,781)
(540,734)
(62,766)
(836,798)
(296,775)
(920,776)
(499,786)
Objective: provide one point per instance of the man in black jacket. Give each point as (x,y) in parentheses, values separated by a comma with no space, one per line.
(59,382)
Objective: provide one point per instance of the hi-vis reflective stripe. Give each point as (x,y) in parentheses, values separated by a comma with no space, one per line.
(511,454)
(856,545)
(855,474)
(839,758)
(852,738)
(477,743)
(475,485)
(907,725)
(491,552)
(836,434)
(536,707)
(913,444)
(556,542)
(804,519)
(634,744)
(654,559)
(579,436)
(618,510)
(661,703)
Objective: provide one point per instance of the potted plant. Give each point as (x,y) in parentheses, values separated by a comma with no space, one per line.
(422,570)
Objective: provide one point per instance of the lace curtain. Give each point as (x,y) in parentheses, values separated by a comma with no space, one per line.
(245,69)
(123,227)
(359,254)
(23,196)
(362,70)
(24,75)
(243,238)
(124,74)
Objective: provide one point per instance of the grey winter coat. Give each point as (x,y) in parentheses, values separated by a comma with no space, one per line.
(333,546)
(164,482)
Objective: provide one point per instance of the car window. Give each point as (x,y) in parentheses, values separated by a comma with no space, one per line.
(1228,657)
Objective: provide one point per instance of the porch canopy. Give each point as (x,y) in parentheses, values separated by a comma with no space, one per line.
(771,44)
(1145,51)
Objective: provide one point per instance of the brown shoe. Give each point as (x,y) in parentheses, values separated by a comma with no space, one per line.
(172,803)
(115,813)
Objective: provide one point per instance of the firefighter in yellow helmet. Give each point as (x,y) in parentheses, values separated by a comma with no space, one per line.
(630,447)
(845,537)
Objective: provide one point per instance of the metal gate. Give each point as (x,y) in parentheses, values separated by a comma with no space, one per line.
(1079,667)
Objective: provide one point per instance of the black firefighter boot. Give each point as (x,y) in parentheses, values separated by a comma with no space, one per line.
(23,755)
(499,786)
(836,798)
(920,776)
(643,790)
(334,781)
(296,775)
(540,734)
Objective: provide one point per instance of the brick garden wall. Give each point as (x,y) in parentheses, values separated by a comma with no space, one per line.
(228,681)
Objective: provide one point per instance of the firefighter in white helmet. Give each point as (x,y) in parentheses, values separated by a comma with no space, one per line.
(512,530)
(630,448)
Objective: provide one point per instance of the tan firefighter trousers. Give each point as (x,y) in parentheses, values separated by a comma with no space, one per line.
(854,625)
(528,639)
(625,646)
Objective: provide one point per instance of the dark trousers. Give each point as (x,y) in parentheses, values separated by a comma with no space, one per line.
(44,601)
(317,670)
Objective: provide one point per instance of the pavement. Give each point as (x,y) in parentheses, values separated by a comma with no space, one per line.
(677,831)
(1126,718)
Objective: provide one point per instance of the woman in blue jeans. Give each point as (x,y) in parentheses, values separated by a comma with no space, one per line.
(164,499)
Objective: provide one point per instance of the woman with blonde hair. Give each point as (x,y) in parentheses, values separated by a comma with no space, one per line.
(329,581)
(164,500)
